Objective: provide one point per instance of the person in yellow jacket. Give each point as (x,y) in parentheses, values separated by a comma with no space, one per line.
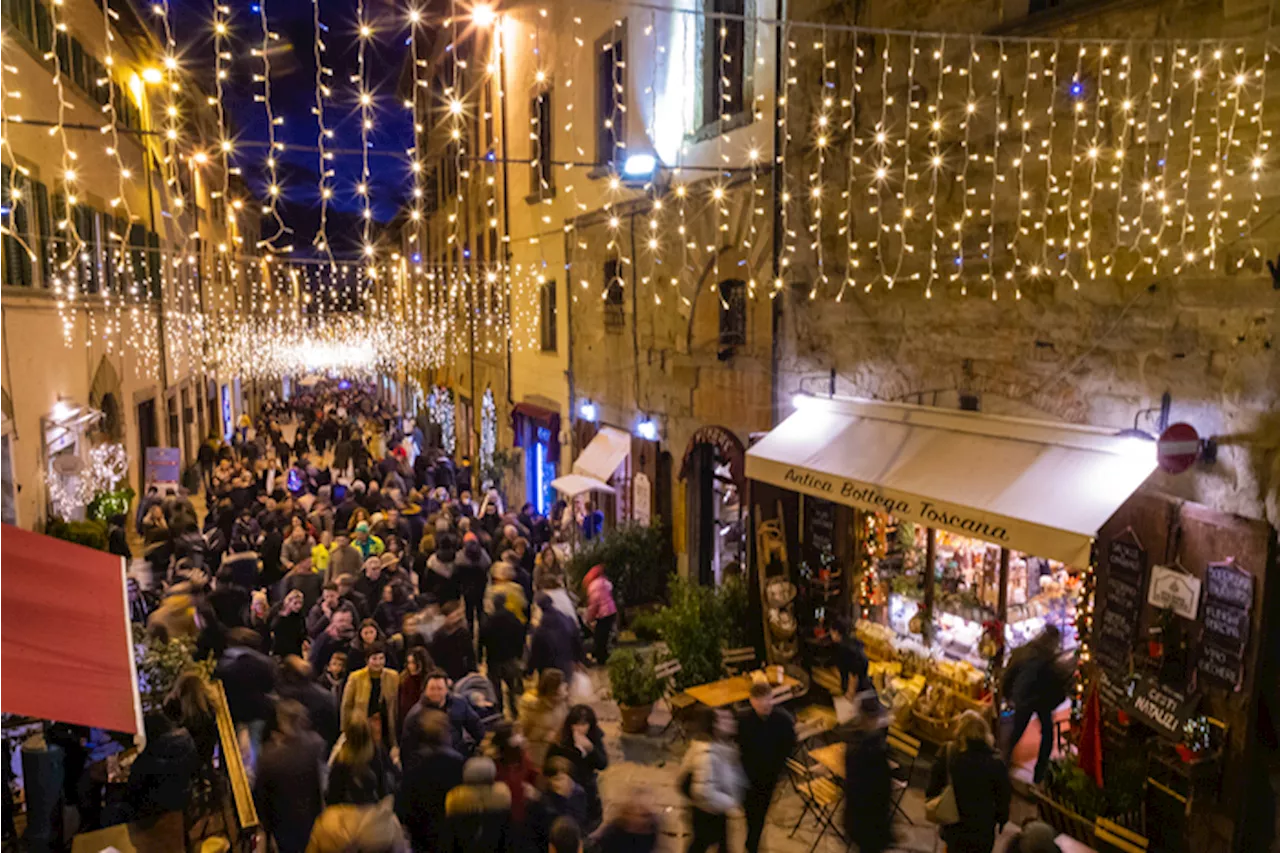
(375,691)
(320,553)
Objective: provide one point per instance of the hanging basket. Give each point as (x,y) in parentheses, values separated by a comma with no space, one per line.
(780,592)
(782,625)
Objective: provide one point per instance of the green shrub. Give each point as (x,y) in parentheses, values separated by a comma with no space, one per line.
(633,560)
(647,626)
(112,502)
(733,604)
(692,629)
(90,533)
(159,664)
(631,678)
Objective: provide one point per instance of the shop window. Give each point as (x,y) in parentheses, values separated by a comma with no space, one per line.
(547,316)
(611,74)
(540,167)
(22,15)
(615,312)
(723,65)
(733,313)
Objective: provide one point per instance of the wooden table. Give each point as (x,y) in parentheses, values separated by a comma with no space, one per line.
(161,834)
(730,691)
(830,757)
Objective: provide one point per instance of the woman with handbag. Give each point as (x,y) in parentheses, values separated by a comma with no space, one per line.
(968,792)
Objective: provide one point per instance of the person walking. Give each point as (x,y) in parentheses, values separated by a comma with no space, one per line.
(360,770)
(502,644)
(431,771)
(634,827)
(374,692)
(471,569)
(515,770)
(980,781)
(452,647)
(868,812)
(582,745)
(289,789)
(713,777)
(850,658)
(464,723)
(417,663)
(543,713)
(602,612)
(766,736)
(556,642)
(478,812)
(1035,685)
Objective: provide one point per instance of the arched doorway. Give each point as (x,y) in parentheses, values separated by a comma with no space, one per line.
(715,479)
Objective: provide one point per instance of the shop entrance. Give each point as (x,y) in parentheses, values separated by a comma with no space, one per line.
(147,437)
(712,470)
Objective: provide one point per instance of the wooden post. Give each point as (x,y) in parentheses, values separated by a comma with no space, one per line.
(930,581)
(1002,613)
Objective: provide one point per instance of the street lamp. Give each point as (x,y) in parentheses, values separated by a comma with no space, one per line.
(483,15)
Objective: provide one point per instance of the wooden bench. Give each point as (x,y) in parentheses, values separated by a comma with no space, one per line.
(735,661)
(1111,837)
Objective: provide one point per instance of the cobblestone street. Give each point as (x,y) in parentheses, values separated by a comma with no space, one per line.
(653,761)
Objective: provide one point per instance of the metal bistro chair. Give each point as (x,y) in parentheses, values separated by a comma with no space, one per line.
(906,750)
(678,702)
(820,795)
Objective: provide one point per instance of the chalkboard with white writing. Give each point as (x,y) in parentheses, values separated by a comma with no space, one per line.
(1120,602)
(1220,666)
(1229,584)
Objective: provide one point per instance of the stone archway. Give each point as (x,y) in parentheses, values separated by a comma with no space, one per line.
(104,395)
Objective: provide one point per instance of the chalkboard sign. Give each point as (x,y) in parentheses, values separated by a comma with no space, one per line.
(1225,623)
(1160,707)
(1230,585)
(1219,666)
(1120,603)
(1227,617)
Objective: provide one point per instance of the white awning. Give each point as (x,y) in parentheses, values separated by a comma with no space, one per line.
(603,454)
(1037,487)
(573,485)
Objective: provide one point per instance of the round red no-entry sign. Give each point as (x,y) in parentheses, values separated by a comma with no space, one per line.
(1177,448)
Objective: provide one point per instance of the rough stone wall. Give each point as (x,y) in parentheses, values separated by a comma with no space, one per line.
(1103,354)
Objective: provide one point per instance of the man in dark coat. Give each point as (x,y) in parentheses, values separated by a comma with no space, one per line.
(452,647)
(248,677)
(556,642)
(868,812)
(430,772)
(1036,686)
(850,658)
(502,642)
(297,685)
(766,736)
(464,723)
(288,790)
(160,779)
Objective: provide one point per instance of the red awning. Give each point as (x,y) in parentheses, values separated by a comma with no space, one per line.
(65,643)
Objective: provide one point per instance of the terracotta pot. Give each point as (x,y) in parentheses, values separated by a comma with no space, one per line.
(635,720)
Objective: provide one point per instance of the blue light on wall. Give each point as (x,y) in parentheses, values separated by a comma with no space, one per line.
(588,411)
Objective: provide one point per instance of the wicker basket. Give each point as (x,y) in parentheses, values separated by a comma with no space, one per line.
(933,729)
(782,625)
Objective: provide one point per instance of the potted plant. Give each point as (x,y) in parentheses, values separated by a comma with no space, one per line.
(635,688)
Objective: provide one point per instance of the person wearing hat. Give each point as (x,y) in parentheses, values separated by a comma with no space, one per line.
(477,812)
(366,543)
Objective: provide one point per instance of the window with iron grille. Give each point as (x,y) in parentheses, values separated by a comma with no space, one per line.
(615,312)
(547,316)
(733,313)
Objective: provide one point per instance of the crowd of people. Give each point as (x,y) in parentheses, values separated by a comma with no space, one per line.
(352,591)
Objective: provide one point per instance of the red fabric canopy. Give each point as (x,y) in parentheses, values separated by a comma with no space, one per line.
(65,643)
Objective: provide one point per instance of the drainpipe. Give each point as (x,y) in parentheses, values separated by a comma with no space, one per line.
(506,196)
(572,414)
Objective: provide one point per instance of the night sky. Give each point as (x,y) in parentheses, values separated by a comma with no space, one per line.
(293,96)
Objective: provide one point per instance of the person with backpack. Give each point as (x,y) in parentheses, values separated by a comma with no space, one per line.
(1035,685)
(979,784)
